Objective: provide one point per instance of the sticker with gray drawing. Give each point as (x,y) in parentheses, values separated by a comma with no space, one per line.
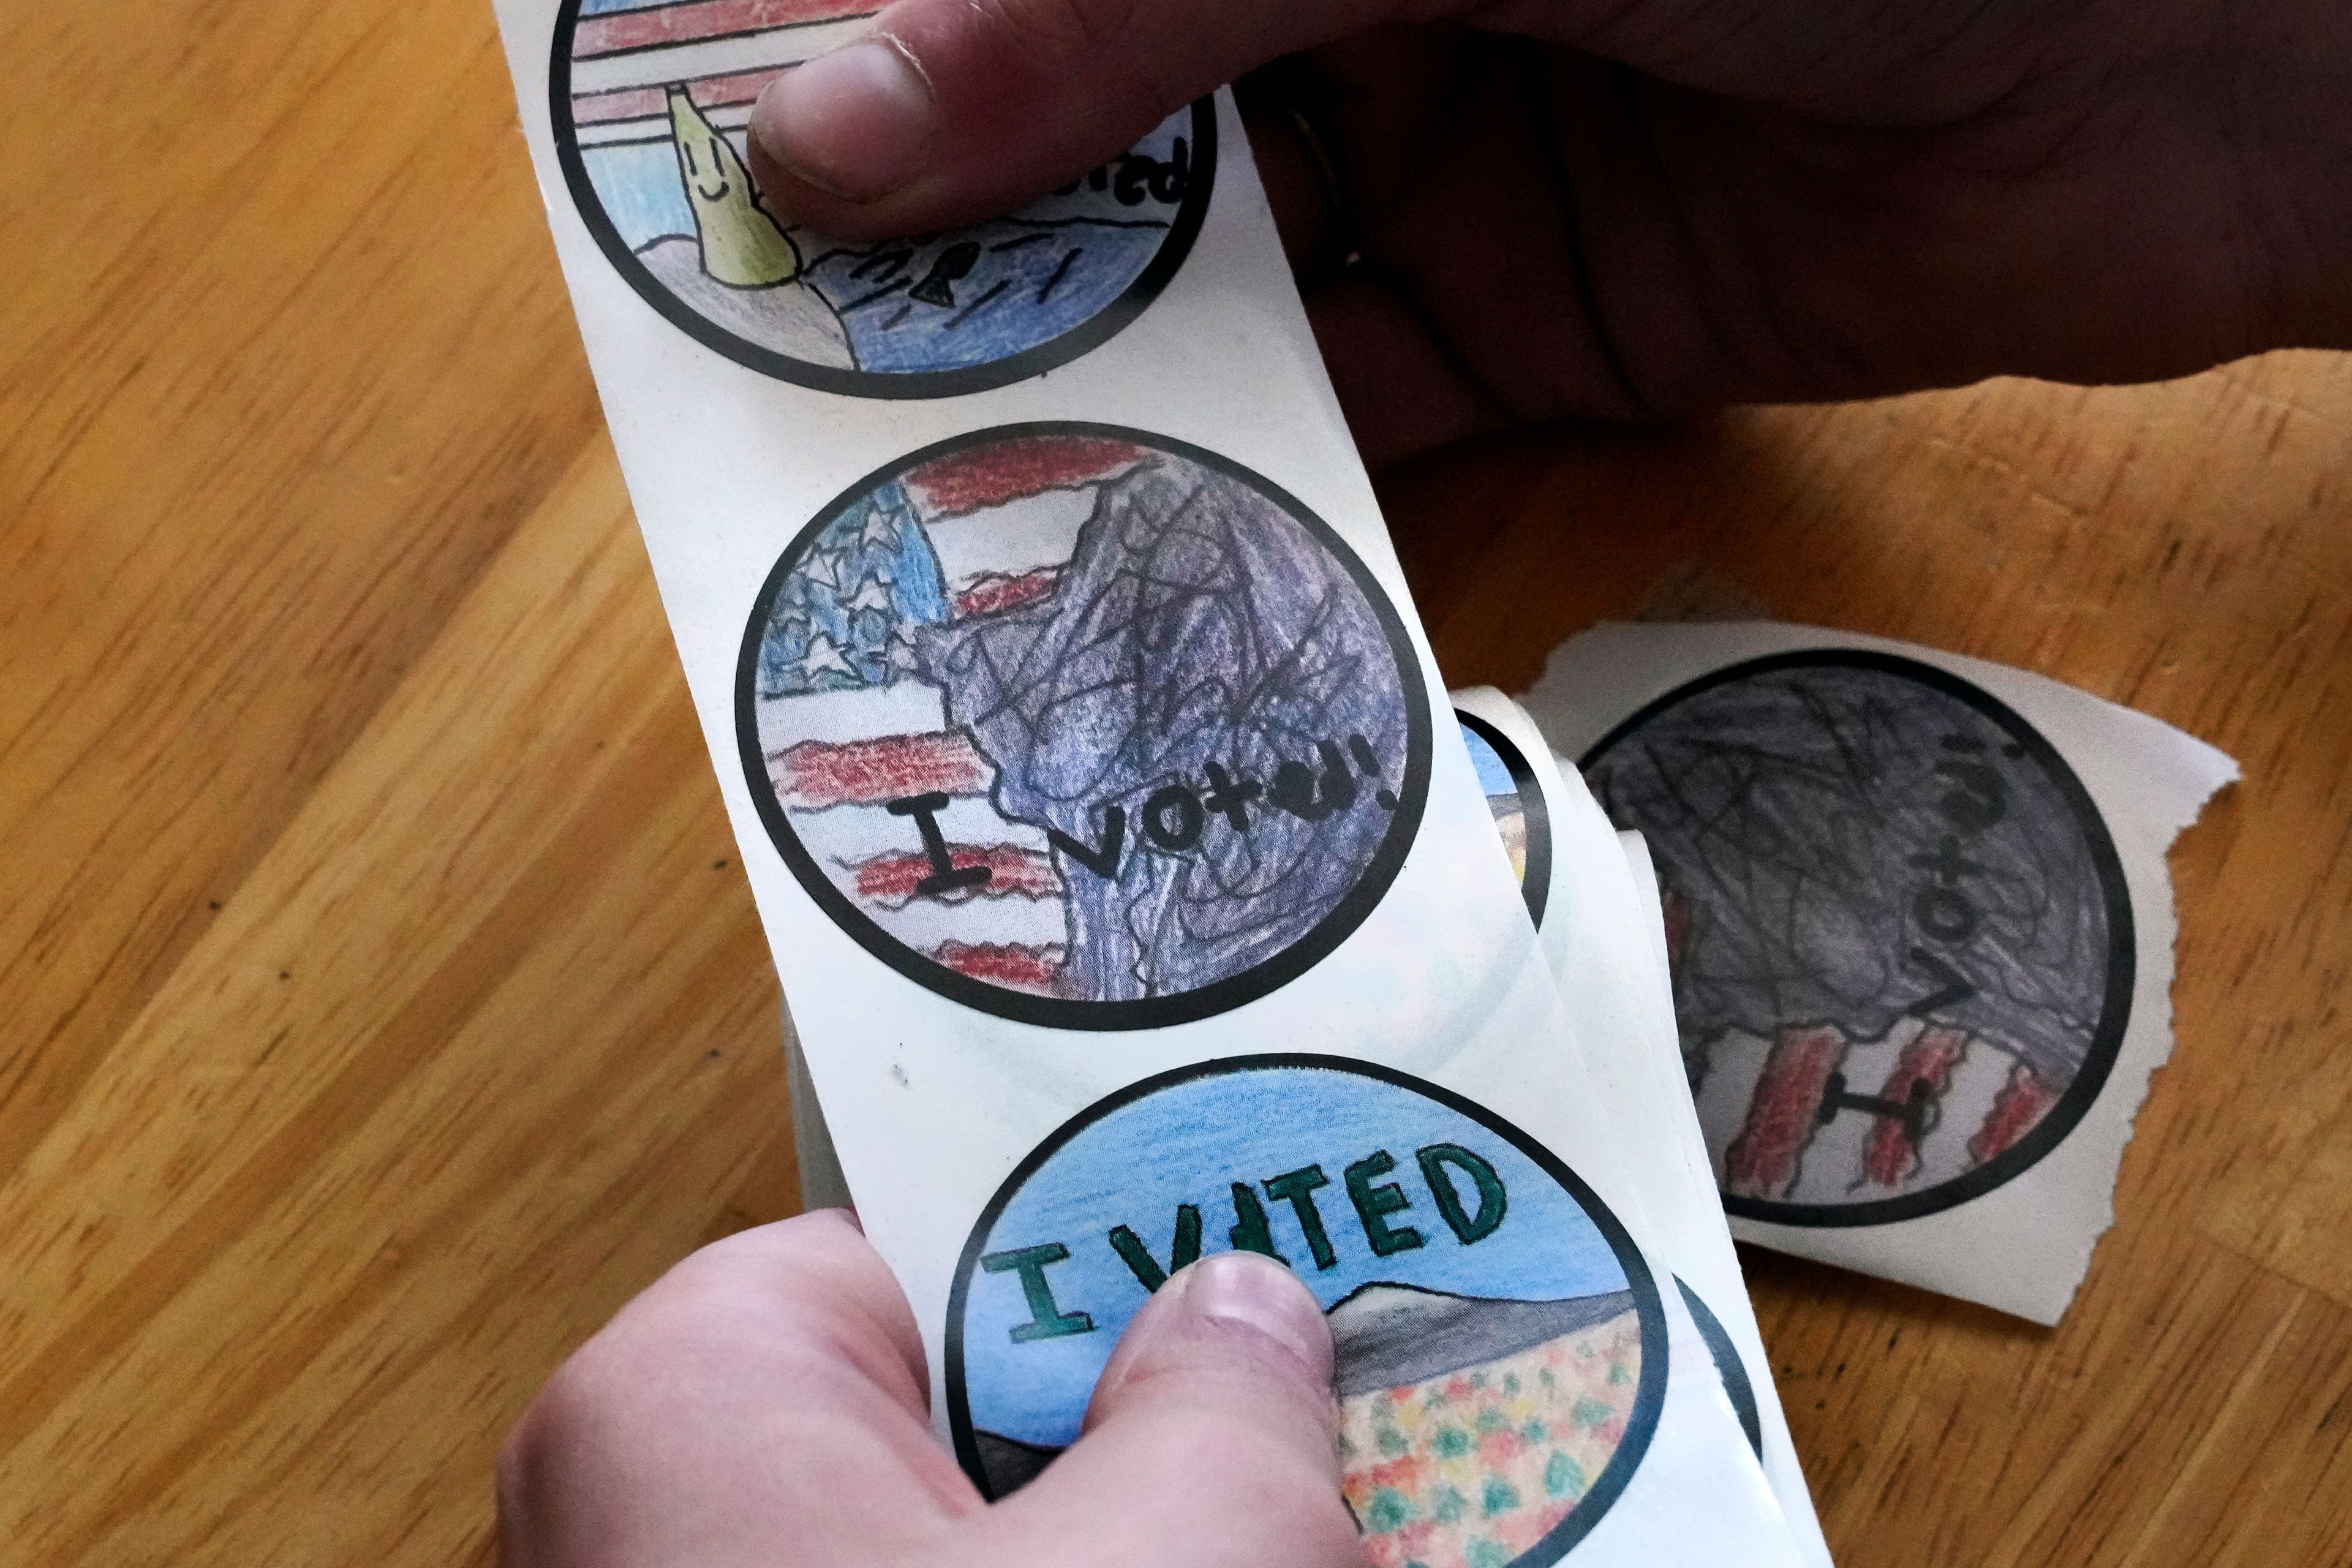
(1501,1345)
(1901,941)
(1083,726)
(650,101)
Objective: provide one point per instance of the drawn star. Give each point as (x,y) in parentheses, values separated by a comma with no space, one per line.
(824,656)
(822,569)
(881,528)
(875,595)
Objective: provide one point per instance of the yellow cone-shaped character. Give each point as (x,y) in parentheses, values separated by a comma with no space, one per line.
(742,244)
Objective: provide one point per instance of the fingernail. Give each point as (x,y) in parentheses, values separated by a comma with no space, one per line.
(1262,1295)
(856,123)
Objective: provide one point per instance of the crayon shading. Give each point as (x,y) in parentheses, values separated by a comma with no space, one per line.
(1902,949)
(1083,719)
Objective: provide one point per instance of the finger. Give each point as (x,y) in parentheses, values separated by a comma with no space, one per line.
(768,1389)
(1403,391)
(1446,141)
(1301,187)
(1209,1443)
(948,112)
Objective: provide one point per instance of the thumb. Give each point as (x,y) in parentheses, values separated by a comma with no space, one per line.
(1209,1443)
(948,112)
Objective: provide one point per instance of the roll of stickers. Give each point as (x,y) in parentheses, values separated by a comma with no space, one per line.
(1602,934)
(1130,886)
(1921,932)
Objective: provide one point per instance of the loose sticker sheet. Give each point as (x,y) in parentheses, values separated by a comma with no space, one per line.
(1921,930)
(1601,934)
(1130,882)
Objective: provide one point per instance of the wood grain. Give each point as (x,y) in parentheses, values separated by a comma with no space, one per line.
(380,1004)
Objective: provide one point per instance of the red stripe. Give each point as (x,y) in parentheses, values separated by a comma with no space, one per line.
(889,879)
(646,102)
(1005,963)
(815,775)
(991,476)
(701,19)
(1889,1159)
(2016,1111)
(1762,1161)
(994,591)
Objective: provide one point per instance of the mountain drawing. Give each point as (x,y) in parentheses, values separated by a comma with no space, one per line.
(1470,1428)
(1387,1336)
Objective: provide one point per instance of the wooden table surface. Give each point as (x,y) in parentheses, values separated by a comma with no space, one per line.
(381,1001)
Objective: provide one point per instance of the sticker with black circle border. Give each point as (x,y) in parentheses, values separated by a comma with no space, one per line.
(649,102)
(1083,726)
(1902,942)
(1501,1345)
(1516,800)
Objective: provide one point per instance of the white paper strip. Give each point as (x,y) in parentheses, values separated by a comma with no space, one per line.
(1129,881)
(1604,940)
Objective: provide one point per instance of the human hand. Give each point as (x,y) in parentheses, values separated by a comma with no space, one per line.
(764,1403)
(1633,207)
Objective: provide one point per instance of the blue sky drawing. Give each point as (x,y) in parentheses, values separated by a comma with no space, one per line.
(1494,774)
(1187,1145)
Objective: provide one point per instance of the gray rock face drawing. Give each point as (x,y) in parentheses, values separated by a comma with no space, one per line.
(1207,694)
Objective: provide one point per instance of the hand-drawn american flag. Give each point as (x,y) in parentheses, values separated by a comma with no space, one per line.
(847,726)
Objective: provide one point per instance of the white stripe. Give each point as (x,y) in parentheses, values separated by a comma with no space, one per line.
(925,923)
(854,833)
(718,57)
(1019,536)
(858,713)
(655,128)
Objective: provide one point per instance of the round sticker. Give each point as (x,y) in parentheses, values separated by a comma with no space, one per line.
(650,100)
(1516,801)
(1501,1349)
(1083,727)
(1902,943)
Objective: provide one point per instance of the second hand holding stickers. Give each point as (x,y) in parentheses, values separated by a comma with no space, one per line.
(1076,764)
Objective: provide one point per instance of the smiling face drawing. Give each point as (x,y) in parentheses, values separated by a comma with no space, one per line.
(742,245)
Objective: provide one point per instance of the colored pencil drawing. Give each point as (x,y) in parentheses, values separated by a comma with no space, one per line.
(651,100)
(1516,800)
(1901,942)
(1083,727)
(1501,1350)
